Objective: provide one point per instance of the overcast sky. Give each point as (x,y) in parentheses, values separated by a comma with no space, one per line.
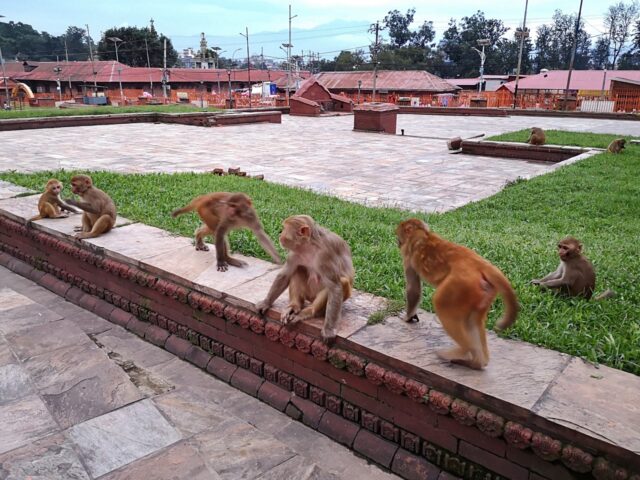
(325,26)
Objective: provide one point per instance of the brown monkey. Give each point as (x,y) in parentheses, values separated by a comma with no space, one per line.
(50,205)
(318,269)
(537,136)
(616,146)
(466,286)
(99,211)
(575,276)
(221,212)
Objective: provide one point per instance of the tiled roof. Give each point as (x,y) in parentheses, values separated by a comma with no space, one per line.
(406,80)
(580,80)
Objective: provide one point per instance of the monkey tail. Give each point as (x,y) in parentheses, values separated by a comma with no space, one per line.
(608,293)
(508,294)
(37,217)
(185,209)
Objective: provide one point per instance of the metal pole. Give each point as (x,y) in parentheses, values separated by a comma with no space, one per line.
(289,58)
(66,52)
(604,81)
(375,63)
(4,79)
(164,71)
(229,75)
(248,65)
(573,56)
(482,57)
(522,36)
(95,83)
(146,46)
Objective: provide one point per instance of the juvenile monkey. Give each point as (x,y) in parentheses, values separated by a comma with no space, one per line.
(50,205)
(221,212)
(536,137)
(318,269)
(99,211)
(466,286)
(575,276)
(616,146)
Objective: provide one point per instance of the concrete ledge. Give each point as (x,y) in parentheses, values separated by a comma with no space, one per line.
(521,151)
(506,112)
(532,413)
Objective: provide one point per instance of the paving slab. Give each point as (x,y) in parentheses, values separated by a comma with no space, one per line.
(14,383)
(122,436)
(26,316)
(6,355)
(40,339)
(8,190)
(9,299)
(123,347)
(298,468)
(603,398)
(24,421)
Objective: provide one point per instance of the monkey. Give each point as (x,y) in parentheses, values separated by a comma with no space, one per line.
(50,205)
(99,211)
(221,212)
(616,146)
(536,137)
(575,276)
(318,269)
(466,286)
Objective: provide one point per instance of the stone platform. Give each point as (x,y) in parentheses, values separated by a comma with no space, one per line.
(380,390)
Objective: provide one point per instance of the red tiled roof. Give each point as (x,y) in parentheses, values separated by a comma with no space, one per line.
(580,80)
(406,80)
(306,101)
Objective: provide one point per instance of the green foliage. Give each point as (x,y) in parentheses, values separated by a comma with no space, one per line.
(132,51)
(103,110)
(392,308)
(560,137)
(554,43)
(595,200)
(24,42)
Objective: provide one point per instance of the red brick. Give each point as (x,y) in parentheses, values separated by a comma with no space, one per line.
(334,404)
(198,357)
(229,354)
(103,309)
(412,467)
(178,346)
(293,412)
(317,395)
(256,366)
(36,275)
(246,381)
(56,286)
(532,462)
(285,380)
(409,441)
(533,476)
(300,388)
(120,317)
(472,435)
(156,335)
(311,413)
(492,462)
(389,431)
(375,448)
(271,373)
(242,360)
(370,421)
(447,476)
(274,396)
(317,379)
(74,294)
(88,302)
(341,430)
(221,368)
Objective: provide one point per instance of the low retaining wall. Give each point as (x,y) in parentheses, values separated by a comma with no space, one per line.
(521,151)
(506,112)
(412,418)
(201,119)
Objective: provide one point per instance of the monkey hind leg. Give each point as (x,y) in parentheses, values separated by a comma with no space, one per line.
(469,349)
(478,348)
(201,232)
(102,225)
(297,296)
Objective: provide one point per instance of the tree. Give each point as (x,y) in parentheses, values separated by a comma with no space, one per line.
(619,20)
(600,54)
(554,43)
(631,60)
(132,50)
(397,25)
(347,60)
(23,42)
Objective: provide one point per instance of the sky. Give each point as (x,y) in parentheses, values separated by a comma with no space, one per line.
(324,26)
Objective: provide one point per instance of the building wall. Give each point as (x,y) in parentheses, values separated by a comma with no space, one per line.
(300,108)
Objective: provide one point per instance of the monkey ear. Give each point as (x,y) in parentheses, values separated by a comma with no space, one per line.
(304,231)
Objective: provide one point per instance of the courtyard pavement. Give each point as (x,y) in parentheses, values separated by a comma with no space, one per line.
(82,398)
(414,171)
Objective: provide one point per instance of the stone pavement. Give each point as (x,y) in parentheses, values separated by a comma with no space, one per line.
(414,171)
(82,398)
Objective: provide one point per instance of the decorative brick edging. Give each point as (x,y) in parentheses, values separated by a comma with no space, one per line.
(334,390)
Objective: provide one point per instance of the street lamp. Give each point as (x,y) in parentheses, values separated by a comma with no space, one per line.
(202,94)
(248,63)
(483,42)
(359,85)
(4,79)
(288,47)
(115,40)
(229,75)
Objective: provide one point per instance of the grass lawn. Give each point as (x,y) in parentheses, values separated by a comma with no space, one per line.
(30,112)
(596,200)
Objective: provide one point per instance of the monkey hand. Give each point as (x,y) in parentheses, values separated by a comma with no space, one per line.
(411,319)
(328,335)
(536,281)
(289,315)
(78,229)
(263,306)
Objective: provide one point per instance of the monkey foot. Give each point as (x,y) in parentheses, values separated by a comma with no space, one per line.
(328,336)
(453,354)
(474,364)
(78,229)
(223,268)
(412,319)
(202,248)
(289,316)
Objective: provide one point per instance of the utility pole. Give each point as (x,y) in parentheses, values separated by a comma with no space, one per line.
(115,40)
(523,34)
(289,45)
(5,80)
(66,52)
(146,47)
(375,63)
(95,84)
(164,71)
(246,35)
(573,55)
(483,42)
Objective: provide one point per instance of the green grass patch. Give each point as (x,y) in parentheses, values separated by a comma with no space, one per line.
(392,308)
(597,200)
(35,112)
(561,137)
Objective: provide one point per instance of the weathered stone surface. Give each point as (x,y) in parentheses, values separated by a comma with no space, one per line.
(25,316)
(126,347)
(249,293)
(300,469)
(11,299)
(262,416)
(45,338)
(521,383)
(9,190)
(6,356)
(235,449)
(51,458)
(14,383)
(599,402)
(23,421)
(122,436)
(177,461)
(90,323)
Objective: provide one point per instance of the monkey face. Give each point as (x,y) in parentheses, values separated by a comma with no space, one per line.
(568,250)
(80,184)
(54,187)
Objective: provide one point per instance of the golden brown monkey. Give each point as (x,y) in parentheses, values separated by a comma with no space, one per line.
(318,269)
(616,146)
(536,137)
(99,211)
(466,286)
(50,205)
(575,276)
(221,212)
